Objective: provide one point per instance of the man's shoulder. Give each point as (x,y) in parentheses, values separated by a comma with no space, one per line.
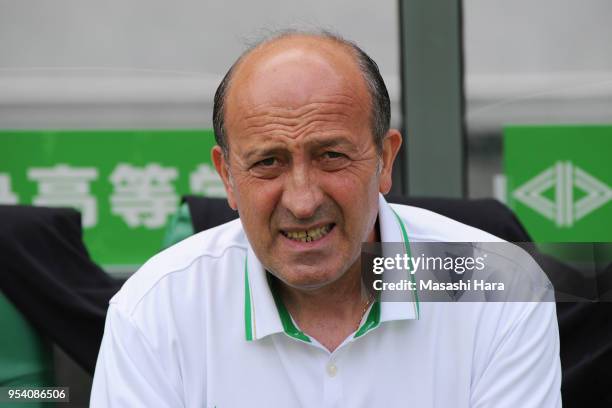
(426,225)
(511,263)
(182,263)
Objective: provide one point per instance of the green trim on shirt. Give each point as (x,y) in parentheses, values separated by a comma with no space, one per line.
(407,249)
(372,320)
(248,326)
(288,326)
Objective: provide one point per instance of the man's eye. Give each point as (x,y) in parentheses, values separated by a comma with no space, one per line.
(267,168)
(333,155)
(270,161)
(334,161)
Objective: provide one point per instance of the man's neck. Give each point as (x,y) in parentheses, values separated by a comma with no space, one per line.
(329,314)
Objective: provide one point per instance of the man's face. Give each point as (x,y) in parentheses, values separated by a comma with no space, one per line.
(303,170)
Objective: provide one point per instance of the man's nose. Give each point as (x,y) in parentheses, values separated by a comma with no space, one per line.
(302,195)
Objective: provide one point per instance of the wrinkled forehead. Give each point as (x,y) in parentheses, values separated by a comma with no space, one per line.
(294,75)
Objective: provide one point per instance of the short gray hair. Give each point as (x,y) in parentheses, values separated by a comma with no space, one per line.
(379,96)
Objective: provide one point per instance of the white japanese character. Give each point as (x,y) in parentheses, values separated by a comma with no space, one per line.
(143,195)
(206,181)
(65,186)
(6,195)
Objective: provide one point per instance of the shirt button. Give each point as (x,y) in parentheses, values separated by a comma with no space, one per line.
(332,370)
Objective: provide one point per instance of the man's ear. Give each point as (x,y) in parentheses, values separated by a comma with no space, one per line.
(391,145)
(222,167)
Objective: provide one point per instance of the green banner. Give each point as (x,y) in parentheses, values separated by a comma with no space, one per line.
(559,181)
(126,183)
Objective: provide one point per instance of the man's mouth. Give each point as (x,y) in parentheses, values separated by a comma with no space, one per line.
(309,235)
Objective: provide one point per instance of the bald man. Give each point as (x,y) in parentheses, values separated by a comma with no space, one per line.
(270,310)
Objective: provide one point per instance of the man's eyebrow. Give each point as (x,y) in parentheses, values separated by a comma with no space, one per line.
(258,152)
(332,142)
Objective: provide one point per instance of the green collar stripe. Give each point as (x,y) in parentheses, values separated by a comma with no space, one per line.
(288,326)
(248,329)
(407,248)
(372,320)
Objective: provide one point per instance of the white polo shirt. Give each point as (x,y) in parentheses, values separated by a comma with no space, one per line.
(198,326)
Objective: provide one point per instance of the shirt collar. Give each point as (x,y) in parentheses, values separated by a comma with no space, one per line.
(393,229)
(265,315)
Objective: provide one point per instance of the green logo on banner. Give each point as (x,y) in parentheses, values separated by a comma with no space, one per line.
(126,184)
(559,180)
(564,209)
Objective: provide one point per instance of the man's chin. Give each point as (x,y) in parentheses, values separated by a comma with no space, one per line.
(309,278)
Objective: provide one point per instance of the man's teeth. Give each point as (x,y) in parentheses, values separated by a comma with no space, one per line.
(309,235)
